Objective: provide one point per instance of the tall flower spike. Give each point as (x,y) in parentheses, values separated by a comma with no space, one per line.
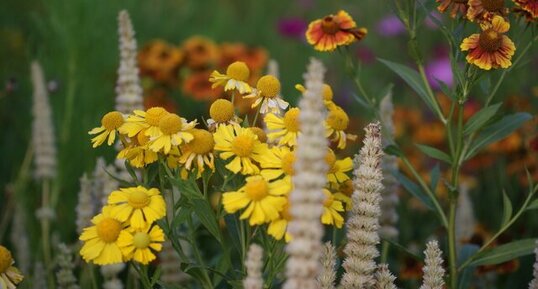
(39,277)
(65,277)
(384,279)
(110,276)
(389,164)
(85,205)
(43,139)
(433,267)
(272,68)
(306,200)
(19,239)
(254,265)
(363,225)
(534,282)
(103,183)
(327,277)
(465,220)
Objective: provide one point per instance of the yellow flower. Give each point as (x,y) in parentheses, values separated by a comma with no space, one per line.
(139,245)
(344,193)
(199,151)
(278,162)
(278,228)
(109,125)
(331,210)
(261,199)
(242,145)
(101,240)
(221,111)
(143,120)
(138,153)
(327,94)
(260,133)
(338,168)
(491,48)
(332,31)
(267,94)
(284,129)
(236,76)
(173,131)
(336,124)
(137,206)
(9,275)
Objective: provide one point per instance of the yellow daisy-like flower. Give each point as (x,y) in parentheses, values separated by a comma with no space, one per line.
(336,124)
(236,76)
(338,168)
(267,94)
(199,151)
(101,240)
(278,162)
(242,145)
(110,123)
(9,275)
(143,120)
(278,228)
(140,245)
(261,199)
(138,153)
(137,206)
(491,48)
(332,209)
(327,94)
(173,131)
(344,193)
(284,129)
(221,111)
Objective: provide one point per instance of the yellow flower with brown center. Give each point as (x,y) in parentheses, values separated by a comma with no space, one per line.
(334,30)
(199,151)
(267,94)
(236,77)
(530,6)
(336,123)
(332,209)
(101,240)
(147,121)
(110,123)
(455,6)
(491,48)
(284,129)
(200,52)
(485,10)
(9,275)
(242,146)
(173,131)
(261,199)
(338,169)
(137,206)
(140,245)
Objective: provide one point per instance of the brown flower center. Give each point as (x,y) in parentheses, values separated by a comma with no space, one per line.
(493,5)
(329,25)
(490,40)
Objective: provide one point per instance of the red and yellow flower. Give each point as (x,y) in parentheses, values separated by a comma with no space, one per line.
(454,6)
(530,6)
(334,30)
(485,10)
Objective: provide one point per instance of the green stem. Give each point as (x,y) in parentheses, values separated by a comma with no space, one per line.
(257,113)
(437,107)
(384,252)
(206,283)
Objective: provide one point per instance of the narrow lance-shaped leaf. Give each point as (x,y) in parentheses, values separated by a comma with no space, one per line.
(414,189)
(478,120)
(507,209)
(434,153)
(505,253)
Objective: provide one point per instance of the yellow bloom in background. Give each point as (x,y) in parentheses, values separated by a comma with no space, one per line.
(236,76)
(336,123)
(260,133)
(143,120)
(221,111)
(332,210)
(277,163)
(138,153)
(140,245)
(199,151)
(284,129)
(327,94)
(9,275)
(173,131)
(491,48)
(338,168)
(137,206)
(110,123)
(101,240)
(242,146)
(267,94)
(331,31)
(344,191)
(261,199)
(278,228)
(172,158)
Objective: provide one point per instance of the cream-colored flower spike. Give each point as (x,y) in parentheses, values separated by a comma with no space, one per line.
(254,265)
(327,277)
(306,200)
(534,282)
(363,224)
(65,274)
(383,278)
(433,267)
(86,204)
(43,139)
(389,195)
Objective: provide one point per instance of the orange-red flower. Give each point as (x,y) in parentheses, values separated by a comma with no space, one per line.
(484,10)
(198,86)
(491,48)
(530,6)
(200,52)
(454,6)
(160,61)
(334,30)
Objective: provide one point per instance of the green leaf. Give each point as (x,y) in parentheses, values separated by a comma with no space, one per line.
(507,209)
(505,252)
(478,120)
(533,205)
(403,249)
(414,189)
(497,131)
(467,274)
(393,150)
(412,78)
(207,216)
(435,176)
(434,153)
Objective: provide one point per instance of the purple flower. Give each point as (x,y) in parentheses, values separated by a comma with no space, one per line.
(390,26)
(439,70)
(292,27)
